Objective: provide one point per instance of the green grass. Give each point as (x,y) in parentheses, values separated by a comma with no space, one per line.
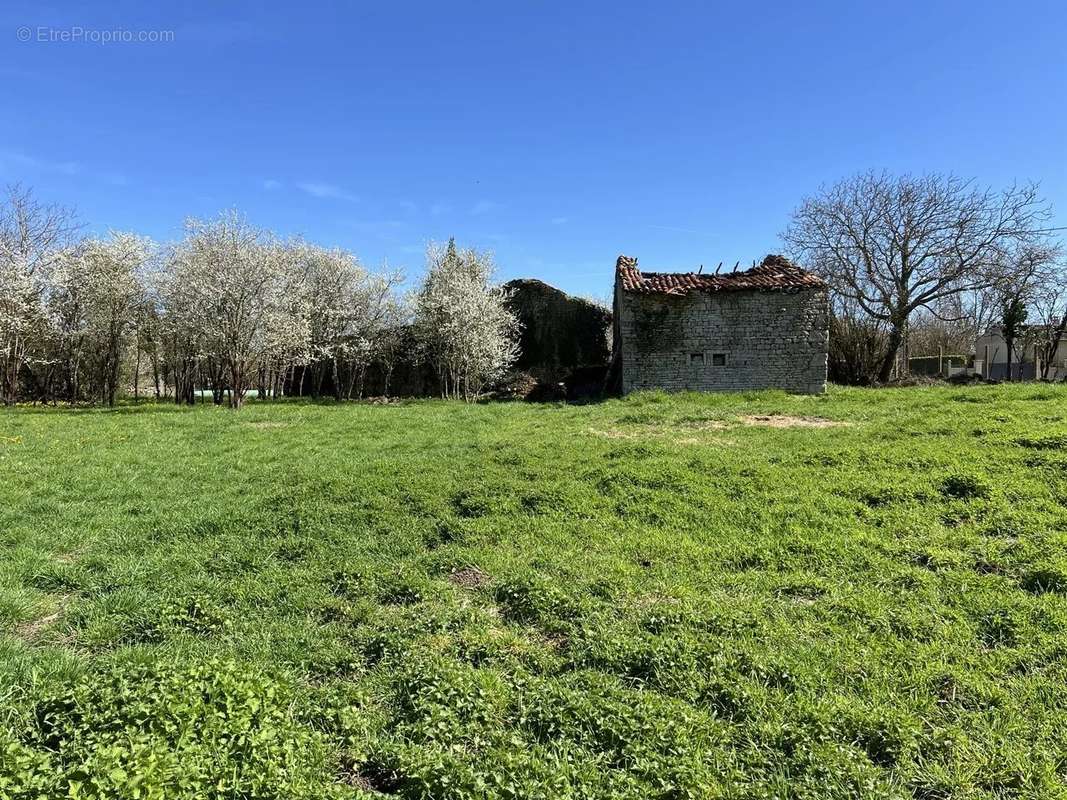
(645,598)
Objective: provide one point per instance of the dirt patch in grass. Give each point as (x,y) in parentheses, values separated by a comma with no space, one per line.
(687,432)
(786,421)
(557,641)
(371,777)
(801,594)
(671,434)
(1044,581)
(615,433)
(654,599)
(359,781)
(30,630)
(469,578)
(706,425)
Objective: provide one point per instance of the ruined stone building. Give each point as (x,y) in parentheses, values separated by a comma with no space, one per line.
(766,327)
(560,333)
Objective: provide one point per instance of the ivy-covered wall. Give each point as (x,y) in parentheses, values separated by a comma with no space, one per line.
(560,333)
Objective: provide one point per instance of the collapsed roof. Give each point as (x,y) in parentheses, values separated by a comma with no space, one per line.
(773,273)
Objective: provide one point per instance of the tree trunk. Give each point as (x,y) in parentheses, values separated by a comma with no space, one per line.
(237,385)
(896,338)
(113,357)
(1049,356)
(137,374)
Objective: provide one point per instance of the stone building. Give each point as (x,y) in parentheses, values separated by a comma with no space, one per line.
(766,327)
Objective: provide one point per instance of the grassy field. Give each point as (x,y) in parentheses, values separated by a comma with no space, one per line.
(862,594)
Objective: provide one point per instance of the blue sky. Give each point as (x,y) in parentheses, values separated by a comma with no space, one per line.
(556,134)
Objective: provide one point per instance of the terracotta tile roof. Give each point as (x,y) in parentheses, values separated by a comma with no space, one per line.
(774,273)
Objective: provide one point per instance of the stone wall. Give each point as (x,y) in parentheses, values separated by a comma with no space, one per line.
(729,340)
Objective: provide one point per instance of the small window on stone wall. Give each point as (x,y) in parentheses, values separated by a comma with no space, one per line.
(696,359)
(718,359)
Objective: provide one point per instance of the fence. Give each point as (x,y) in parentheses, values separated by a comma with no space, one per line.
(936,365)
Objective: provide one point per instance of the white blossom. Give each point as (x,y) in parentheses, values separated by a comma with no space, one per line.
(463,321)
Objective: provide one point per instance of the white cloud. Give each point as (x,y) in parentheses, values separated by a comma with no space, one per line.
(270,184)
(559,220)
(437,209)
(325,190)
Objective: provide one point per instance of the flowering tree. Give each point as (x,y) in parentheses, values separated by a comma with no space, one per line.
(178,327)
(19,312)
(463,322)
(32,239)
(98,291)
(349,308)
(229,307)
(231,302)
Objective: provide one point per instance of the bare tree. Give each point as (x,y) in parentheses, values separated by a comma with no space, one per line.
(895,244)
(1031,275)
(950,330)
(857,343)
(1048,307)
